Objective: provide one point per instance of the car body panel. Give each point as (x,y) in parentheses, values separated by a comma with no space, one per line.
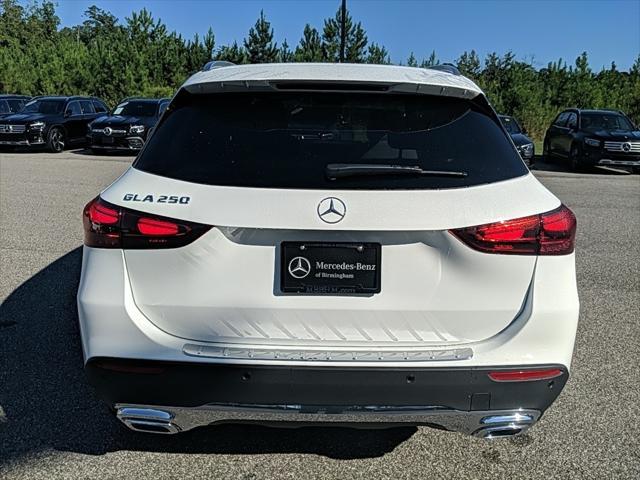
(270,208)
(113,326)
(420,304)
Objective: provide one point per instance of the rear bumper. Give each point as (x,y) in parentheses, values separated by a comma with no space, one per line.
(195,394)
(483,424)
(218,383)
(320,388)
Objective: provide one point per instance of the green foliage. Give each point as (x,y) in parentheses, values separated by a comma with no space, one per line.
(535,96)
(378,54)
(260,45)
(310,47)
(355,39)
(139,56)
(284,53)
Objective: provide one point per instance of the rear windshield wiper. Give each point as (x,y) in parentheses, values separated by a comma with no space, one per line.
(341,170)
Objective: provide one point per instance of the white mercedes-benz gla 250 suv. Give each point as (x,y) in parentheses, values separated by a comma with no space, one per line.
(348,244)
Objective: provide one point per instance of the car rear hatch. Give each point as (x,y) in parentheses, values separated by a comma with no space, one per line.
(254,167)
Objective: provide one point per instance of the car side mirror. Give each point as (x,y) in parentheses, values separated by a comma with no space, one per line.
(67,113)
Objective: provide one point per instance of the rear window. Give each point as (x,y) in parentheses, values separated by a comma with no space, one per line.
(287,139)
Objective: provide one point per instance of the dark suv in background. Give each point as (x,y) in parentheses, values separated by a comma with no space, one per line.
(128,125)
(593,137)
(54,122)
(523,143)
(11,104)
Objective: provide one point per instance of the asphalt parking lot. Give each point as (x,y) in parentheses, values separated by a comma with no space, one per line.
(53,426)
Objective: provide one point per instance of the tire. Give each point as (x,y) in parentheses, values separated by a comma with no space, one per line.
(635,170)
(56,140)
(546,154)
(574,158)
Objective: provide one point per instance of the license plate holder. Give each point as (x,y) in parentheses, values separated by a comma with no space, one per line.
(323,268)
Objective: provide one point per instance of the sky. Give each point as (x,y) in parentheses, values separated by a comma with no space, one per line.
(536,31)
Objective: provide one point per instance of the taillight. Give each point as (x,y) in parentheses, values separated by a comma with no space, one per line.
(525,375)
(111,226)
(551,233)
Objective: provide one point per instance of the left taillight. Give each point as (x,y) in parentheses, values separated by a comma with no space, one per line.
(549,233)
(110,226)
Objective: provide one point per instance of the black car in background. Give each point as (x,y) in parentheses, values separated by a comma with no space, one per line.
(593,137)
(53,122)
(11,104)
(523,143)
(127,127)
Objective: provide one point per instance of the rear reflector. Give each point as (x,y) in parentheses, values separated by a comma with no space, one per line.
(525,375)
(126,367)
(550,233)
(111,226)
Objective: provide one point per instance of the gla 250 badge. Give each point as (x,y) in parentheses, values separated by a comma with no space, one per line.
(175,199)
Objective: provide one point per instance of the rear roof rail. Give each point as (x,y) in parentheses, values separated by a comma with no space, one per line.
(216,64)
(447,68)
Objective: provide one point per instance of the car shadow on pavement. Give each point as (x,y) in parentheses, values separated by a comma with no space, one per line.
(104,153)
(46,402)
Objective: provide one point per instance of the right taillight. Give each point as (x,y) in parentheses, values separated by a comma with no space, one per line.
(550,233)
(111,226)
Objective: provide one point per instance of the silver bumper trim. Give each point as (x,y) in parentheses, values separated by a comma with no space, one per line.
(23,143)
(484,424)
(629,163)
(321,355)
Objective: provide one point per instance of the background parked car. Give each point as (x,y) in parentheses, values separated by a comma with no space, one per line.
(523,143)
(594,137)
(128,125)
(55,122)
(11,104)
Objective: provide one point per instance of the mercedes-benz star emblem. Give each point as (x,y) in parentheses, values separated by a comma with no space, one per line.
(626,146)
(331,210)
(299,267)
(107,131)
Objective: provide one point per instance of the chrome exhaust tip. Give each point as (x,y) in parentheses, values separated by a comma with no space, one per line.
(147,420)
(502,431)
(505,425)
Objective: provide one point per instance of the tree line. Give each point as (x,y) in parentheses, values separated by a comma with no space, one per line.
(113,59)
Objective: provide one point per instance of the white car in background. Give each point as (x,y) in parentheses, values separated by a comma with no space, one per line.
(346,244)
